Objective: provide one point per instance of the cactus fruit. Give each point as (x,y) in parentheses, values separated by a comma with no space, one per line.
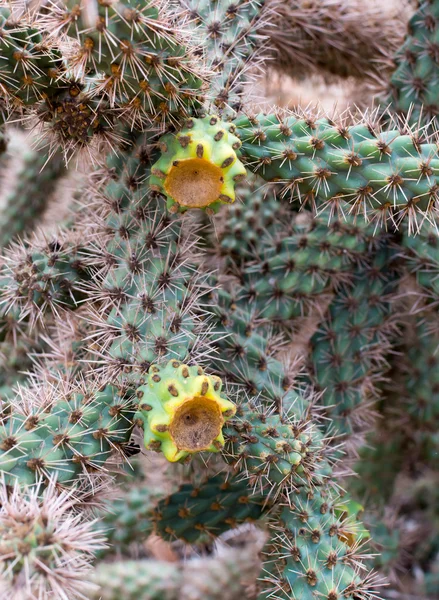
(199,167)
(182,410)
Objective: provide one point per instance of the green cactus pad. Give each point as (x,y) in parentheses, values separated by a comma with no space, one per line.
(219,504)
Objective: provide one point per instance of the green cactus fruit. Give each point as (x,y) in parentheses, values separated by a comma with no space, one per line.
(182,410)
(221,503)
(62,434)
(383,174)
(199,166)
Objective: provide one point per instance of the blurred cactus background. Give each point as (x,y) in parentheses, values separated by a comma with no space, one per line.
(219,291)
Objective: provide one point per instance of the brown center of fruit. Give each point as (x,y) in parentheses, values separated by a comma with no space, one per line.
(194,182)
(196,424)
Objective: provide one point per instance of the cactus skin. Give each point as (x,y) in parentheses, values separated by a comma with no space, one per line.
(275,453)
(182,410)
(245,225)
(230,32)
(132,59)
(63,436)
(348,350)
(38,527)
(153,73)
(199,166)
(206,578)
(306,262)
(29,68)
(376,172)
(42,277)
(219,504)
(128,518)
(26,202)
(413,86)
(311,554)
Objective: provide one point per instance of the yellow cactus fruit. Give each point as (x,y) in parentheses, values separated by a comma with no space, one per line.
(182,410)
(199,166)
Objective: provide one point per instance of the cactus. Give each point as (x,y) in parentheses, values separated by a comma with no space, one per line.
(251,293)
(229,572)
(335,38)
(412,86)
(62,434)
(182,410)
(199,167)
(38,528)
(27,200)
(220,504)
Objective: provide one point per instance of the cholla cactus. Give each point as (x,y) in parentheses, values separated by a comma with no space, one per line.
(237,308)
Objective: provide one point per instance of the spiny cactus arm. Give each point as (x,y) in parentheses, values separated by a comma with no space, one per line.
(141,54)
(243,227)
(30,66)
(225,574)
(421,256)
(412,90)
(316,552)
(342,38)
(41,277)
(196,513)
(348,352)
(230,33)
(45,547)
(418,398)
(127,519)
(246,353)
(301,266)
(35,181)
(63,433)
(147,284)
(382,174)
